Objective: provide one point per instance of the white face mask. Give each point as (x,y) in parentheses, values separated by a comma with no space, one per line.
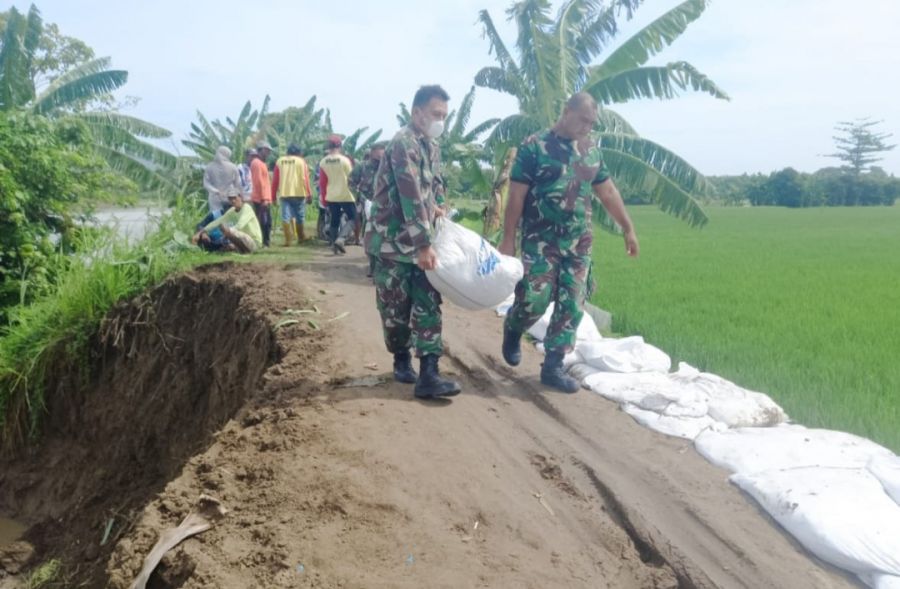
(435,128)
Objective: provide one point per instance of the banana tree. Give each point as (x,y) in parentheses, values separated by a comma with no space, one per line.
(356,147)
(237,134)
(556,58)
(118,137)
(307,126)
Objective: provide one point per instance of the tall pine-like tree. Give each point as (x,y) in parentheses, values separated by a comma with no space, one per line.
(858,145)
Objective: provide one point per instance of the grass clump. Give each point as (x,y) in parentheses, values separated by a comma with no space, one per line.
(44,575)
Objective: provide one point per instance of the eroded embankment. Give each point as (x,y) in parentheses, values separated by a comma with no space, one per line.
(336,477)
(167,369)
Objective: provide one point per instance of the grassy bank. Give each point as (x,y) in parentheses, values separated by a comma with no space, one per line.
(800,304)
(55,330)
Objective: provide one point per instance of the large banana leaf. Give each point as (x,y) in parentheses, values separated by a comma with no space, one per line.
(539,62)
(132,167)
(664,161)
(652,39)
(458,125)
(573,18)
(404,117)
(650,82)
(597,31)
(610,121)
(513,130)
(78,85)
(501,80)
(369,142)
(122,141)
(497,46)
(127,123)
(665,193)
(478,130)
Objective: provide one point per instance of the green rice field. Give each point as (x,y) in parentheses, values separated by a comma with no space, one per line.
(801,304)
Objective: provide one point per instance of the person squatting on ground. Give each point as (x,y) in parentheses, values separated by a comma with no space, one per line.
(362,182)
(409,196)
(552,182)
(239,225)
(334,177)
(290,187)
(219,176)
(261,195)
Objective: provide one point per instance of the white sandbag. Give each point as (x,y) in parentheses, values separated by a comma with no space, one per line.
(728,403)
(886,468)
(629,354)
(539,330)
(587,330)
(651,391)
(569,359)
(579,371)
(755,449)
(881,581)
(629,387)
(745,409)
(503,308)
(681,427)
(841,515)
(470,272)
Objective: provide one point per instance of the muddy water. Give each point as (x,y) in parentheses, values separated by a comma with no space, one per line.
(10,530)
(132,223)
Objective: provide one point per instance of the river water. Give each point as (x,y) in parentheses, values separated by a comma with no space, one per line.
(132,223)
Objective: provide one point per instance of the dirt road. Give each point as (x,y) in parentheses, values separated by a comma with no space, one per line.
(336,477)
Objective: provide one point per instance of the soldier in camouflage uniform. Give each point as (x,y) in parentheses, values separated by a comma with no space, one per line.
(408,197)
(553,181)
(362,183)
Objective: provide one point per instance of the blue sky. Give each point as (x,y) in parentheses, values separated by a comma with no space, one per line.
(793,68)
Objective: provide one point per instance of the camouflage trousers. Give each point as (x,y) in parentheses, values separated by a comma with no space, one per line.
(410,308)
(561,279)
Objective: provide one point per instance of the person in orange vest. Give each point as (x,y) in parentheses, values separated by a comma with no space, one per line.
(334,183)
(290,186)
(261,195)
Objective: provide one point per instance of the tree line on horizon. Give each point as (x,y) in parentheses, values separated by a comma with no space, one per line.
(858,182)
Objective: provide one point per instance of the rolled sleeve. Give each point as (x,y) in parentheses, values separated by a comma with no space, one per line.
(524,167)
(602,174)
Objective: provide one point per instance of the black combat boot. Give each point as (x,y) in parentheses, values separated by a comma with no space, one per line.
(554,375)
(430,384)
(403,370)
(512,351)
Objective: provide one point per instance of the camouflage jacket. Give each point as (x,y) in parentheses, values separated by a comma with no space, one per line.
(408,188)
(362,179)
(557,209)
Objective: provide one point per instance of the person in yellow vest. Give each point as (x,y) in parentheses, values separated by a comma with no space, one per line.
(334,176)
(290,187)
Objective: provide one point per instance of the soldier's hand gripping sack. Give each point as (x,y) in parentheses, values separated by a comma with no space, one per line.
(470,271)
